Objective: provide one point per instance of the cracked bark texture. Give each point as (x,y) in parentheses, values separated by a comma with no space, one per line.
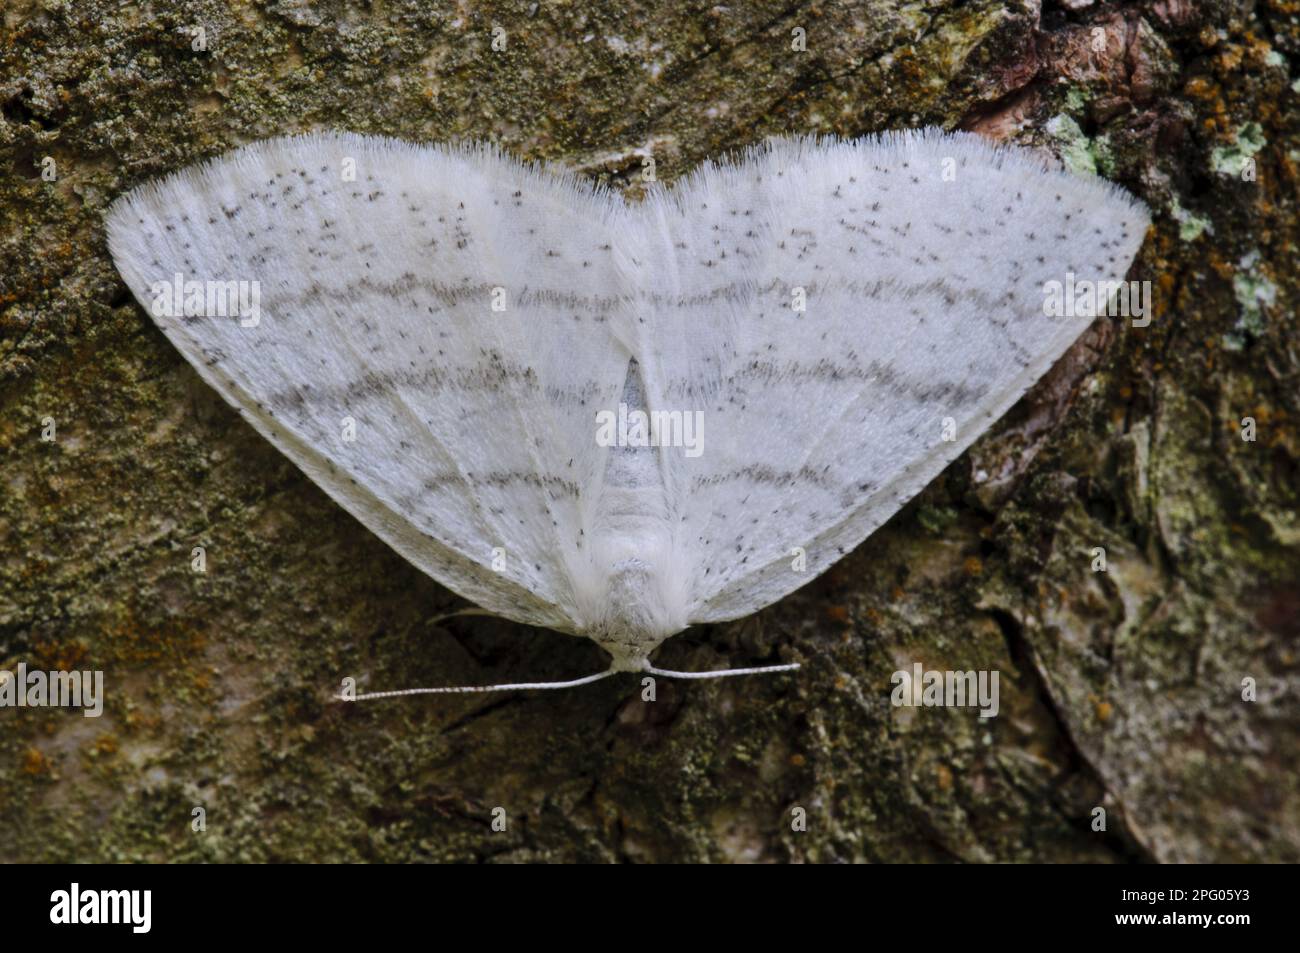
(1120,690)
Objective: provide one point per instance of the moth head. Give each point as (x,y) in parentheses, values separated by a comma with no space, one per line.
(633,614)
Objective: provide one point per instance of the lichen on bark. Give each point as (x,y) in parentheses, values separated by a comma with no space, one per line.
(1120,689)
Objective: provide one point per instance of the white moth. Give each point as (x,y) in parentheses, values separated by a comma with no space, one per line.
(620,420)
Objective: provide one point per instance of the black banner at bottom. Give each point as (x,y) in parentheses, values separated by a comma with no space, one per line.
(360,905)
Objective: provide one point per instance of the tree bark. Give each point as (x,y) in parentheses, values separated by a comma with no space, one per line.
(1121,690)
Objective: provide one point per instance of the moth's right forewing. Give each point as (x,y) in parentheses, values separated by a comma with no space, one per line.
(849,317)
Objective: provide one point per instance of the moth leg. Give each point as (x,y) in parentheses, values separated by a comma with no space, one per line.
(475,611)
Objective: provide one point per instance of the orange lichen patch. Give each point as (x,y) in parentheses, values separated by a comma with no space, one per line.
(838,613)
(105,745)
(897,594)
(798,760)
(173,641)
(142,720)
(908,66)
(1229,58)
(1288,166)
(35,763)
(1259,47)
(1164,299)
(972,566)
(874,617)
(1222,266)
(1104,711)
(943,777)
(1199,87)
(58,656)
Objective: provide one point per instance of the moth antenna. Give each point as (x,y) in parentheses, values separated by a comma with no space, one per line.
(725,672)
(574,683)
(473,689)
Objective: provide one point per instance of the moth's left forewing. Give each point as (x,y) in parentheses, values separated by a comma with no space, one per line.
(850,317)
